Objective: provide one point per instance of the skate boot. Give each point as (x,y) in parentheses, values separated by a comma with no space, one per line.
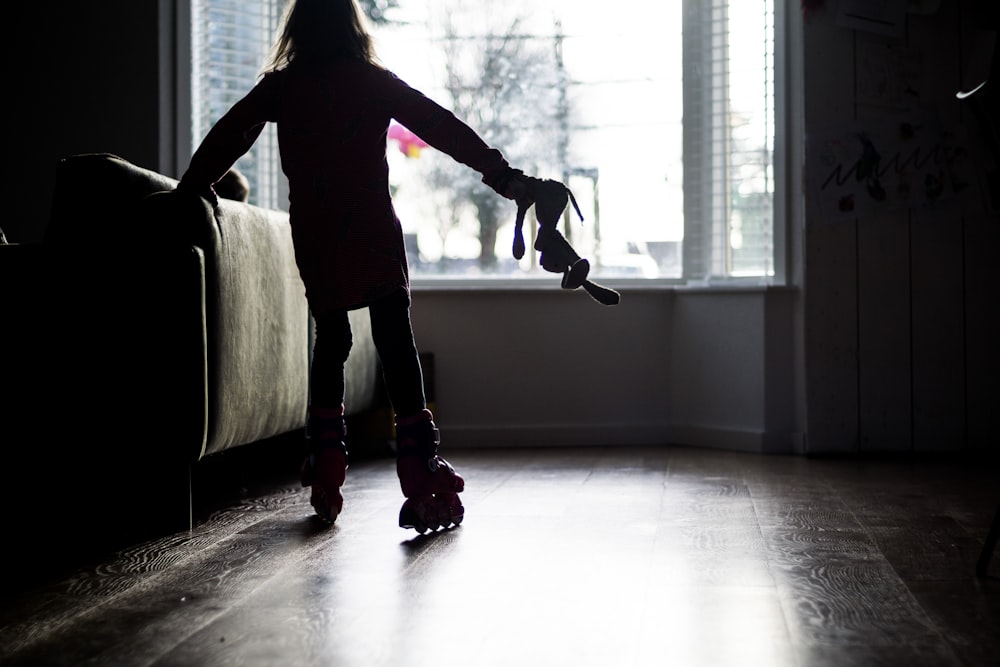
(325,465)
(429,482)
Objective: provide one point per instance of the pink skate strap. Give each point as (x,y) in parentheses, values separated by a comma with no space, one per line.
(326,424)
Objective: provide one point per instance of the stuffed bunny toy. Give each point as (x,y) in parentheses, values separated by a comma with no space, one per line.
(550,198)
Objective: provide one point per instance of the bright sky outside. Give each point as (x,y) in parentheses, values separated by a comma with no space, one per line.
(625,73)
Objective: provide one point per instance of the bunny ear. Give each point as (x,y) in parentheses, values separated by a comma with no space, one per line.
(522,209)
(575,205)
(601,294)
(518,244)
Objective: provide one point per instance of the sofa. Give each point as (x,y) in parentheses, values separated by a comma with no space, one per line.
(147,334)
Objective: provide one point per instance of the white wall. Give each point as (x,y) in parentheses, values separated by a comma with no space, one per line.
(733,357)
(543,366)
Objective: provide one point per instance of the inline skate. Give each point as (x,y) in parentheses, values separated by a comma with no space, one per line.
(325,467)
(429,483)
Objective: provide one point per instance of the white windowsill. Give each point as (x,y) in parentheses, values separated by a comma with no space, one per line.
(443,284)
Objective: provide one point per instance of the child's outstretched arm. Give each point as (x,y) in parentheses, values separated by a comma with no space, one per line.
(228,140)
(440,128)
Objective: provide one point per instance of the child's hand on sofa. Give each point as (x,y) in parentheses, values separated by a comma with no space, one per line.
(208,194)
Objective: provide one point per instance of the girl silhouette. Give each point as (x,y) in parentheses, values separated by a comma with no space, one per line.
(332,103)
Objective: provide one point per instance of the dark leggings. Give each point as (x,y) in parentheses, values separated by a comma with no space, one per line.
(397,351)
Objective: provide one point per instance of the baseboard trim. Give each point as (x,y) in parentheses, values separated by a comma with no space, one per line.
(552,435)
(740,440)
(585,435)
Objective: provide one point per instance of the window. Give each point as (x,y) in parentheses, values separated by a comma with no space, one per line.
(658,116)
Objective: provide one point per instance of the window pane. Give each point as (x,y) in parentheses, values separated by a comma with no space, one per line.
(751,58)
(569,91)
(729,131)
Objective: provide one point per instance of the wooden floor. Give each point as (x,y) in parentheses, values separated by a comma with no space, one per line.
(598,556)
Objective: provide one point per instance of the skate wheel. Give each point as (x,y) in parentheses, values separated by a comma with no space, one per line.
(325,472)
(324,508)
(449,509)
(431,513)
(412,515)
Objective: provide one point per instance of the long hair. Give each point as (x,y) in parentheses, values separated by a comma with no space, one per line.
(319,31)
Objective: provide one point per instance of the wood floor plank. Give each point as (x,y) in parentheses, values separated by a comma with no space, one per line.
(592,556)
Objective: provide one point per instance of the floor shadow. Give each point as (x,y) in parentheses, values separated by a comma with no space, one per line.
(418,544)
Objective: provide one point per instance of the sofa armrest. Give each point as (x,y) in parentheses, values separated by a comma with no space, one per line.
(257,318)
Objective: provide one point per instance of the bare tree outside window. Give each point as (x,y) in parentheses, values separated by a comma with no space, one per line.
(377,10)
(502,79)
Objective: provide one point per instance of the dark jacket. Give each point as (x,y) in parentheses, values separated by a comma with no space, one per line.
(332,127)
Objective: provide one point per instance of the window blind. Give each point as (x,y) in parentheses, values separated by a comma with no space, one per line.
(728,138)
(230,42)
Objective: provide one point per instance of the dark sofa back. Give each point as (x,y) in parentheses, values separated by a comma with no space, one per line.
(94,199)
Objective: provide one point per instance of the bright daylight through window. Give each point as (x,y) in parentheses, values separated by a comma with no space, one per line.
(659,115)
